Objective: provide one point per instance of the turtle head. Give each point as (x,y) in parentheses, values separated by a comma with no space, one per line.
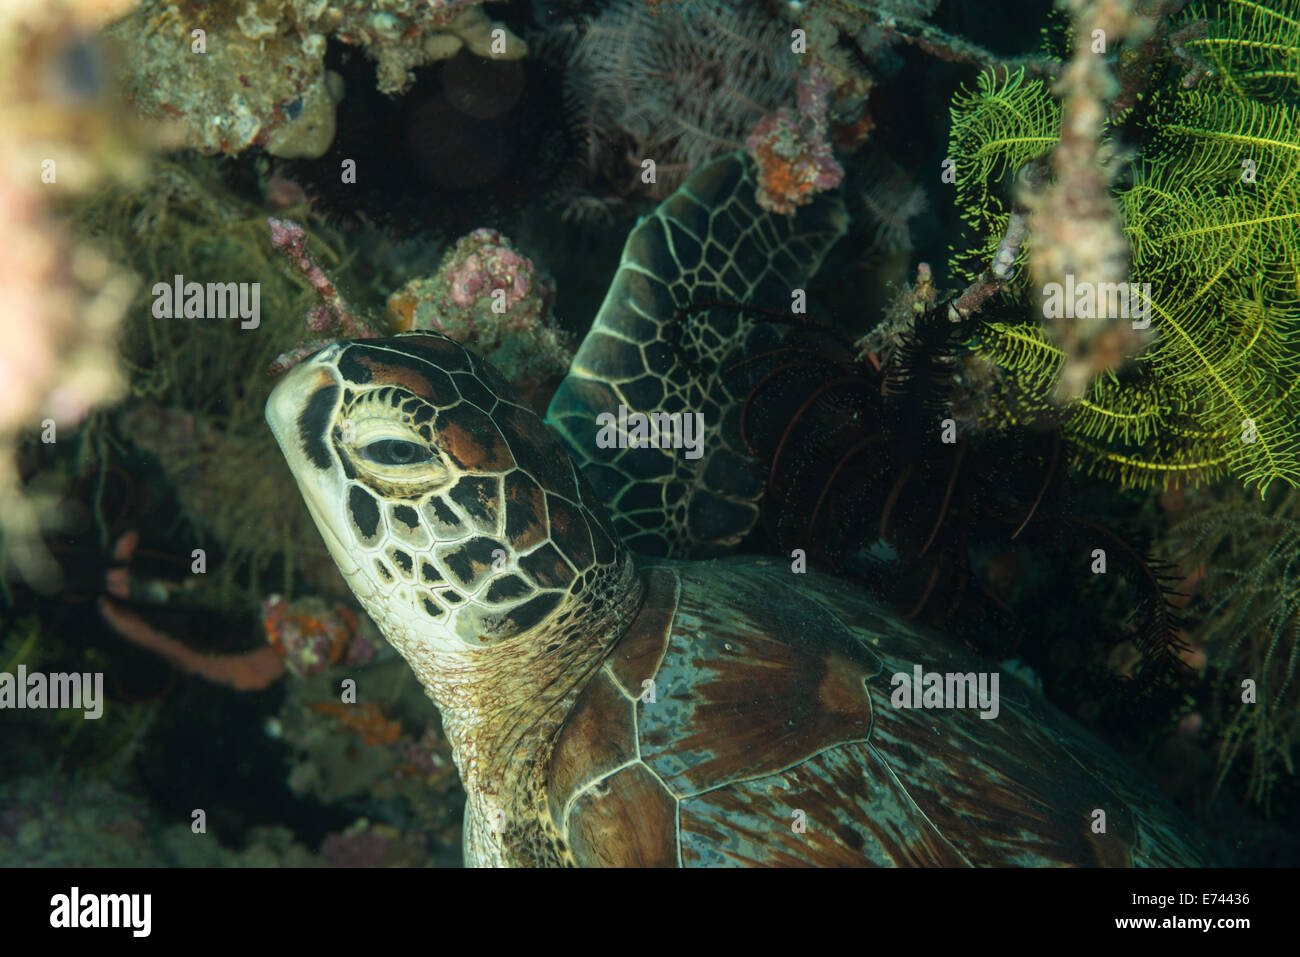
(455,515)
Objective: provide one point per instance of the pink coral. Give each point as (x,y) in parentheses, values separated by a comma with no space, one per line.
(485,261)
(332,315)
(794,156)
(493,266)
(489,296)
(291,239)
(309,636)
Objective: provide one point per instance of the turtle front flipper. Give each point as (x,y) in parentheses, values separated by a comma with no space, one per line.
(708,244)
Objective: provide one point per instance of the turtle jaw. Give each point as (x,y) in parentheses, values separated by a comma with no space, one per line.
(299,412)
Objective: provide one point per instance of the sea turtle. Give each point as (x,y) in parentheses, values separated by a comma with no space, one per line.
(606,710)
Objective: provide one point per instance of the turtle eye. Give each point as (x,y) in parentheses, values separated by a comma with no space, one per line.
(395,452)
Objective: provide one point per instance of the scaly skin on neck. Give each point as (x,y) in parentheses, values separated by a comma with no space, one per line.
(502,707)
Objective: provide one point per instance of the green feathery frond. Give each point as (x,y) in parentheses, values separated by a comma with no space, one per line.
(1253,47)
(1025,355)
(1140,435)
(1214,225)
(1212,215)
(1136,432)
(1208,134)
(996,129)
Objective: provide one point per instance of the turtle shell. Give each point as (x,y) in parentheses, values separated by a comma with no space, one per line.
(746,719)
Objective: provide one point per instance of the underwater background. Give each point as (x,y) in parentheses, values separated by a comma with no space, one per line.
(376,166)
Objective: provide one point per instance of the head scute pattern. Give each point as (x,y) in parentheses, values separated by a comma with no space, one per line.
(454,500)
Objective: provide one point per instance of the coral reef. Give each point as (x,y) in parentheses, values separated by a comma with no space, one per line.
(684,83)
(361,756)
(310,636)
(485,294)
(252,73)
(494,300)
(366,844)
(233,75)
(401,35)
(794,155)
(54,820)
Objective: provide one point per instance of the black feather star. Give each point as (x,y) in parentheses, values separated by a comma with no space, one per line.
(869,472)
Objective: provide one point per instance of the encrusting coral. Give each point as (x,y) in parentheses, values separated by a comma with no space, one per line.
(252,72)
(794,155)
(490,297)
(234,75)
(485,294)
(401,35)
